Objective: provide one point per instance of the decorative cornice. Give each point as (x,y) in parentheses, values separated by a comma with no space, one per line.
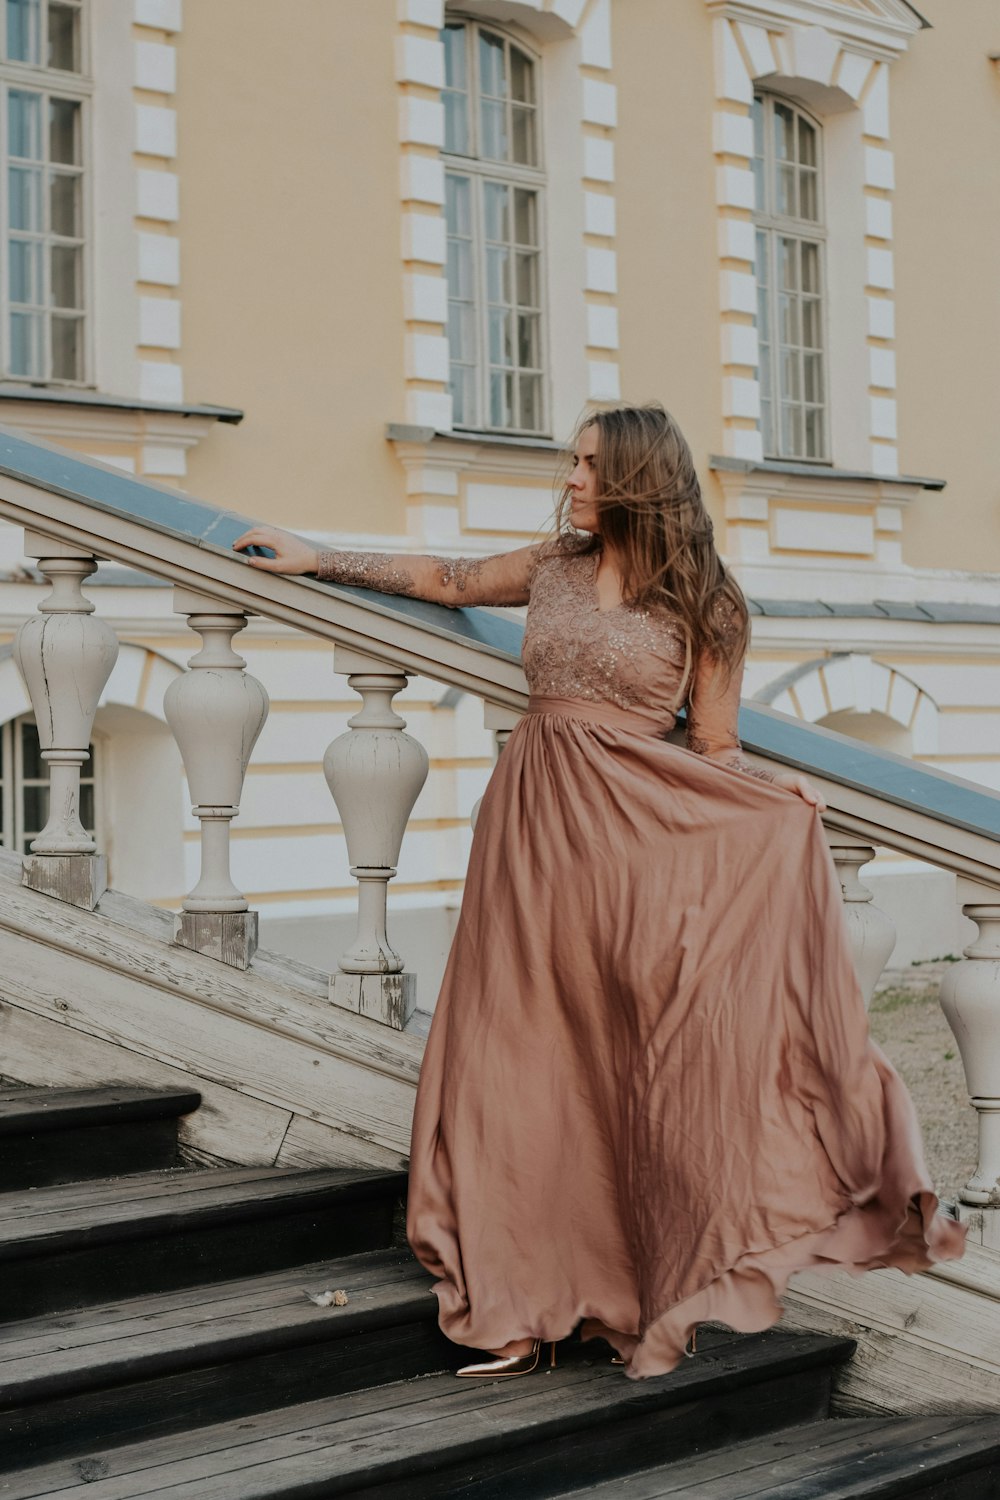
(883,29)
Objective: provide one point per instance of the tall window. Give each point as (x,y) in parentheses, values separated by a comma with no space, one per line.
(790,271)
(42,271)
(494,187)
(24,786)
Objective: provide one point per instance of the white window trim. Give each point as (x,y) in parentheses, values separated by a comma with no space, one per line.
(12,784)
(483,169)
(80,88)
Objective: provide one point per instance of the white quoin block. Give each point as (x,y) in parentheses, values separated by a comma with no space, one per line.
(739,344)
(157,195)
(883,416)
(425,298)
(601,270)
(155,130)
(745,442)
(875,110)
(884,459)
(595,36)
(882,369)
(429,409)
(160,322)
(879,170)
(734,187)
(737,292)
(732,135)
(881,318)
(880,269)
(159,258)
(599,214)
(740,397)
(852,73)
(598,159)
(732,81)
(426,357)
(420,60)
(421,122)
(160,381)
(155,67)
(163,15)
(603,380)
(737,239)
(600,102)
(425,238)
(878,218)
(421,179)
(421,12)
(602,327)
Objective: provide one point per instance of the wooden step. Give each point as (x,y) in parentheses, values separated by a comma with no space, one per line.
(52,1135)
(183,1359)
(79,1243)
(438,1436)
(952,1457)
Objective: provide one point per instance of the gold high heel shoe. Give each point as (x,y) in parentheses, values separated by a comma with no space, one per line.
(512,1364)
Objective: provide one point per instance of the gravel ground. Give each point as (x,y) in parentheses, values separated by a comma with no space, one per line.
(909,1025)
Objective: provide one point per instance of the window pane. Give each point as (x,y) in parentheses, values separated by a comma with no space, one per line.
(493,130)
(808,203)
(496,201)
(64,37)
(497,275)
(25,207)
(64,132)
(501,399)
(810,267)
(456,123)
(25,271)
(525,217)
(492,73)
(522,77)
(33,767)
(530,402)
(760,261)
(790,386)
(528,343)
(457,205)
(64,204)
(789,264)
(812,368)
(757,115)
(64,277)
(36,810)
(501,338)
(767,427)
(815,435)
(26,344)
(462,332)
(23,30)
(454,57)
(786,191)
(784,133)
(523,135)
(811,338)
(24,122)
(791,431)
(67,348)
(788,322)
(460,269)
(463,395)
(807,143)
(527,280)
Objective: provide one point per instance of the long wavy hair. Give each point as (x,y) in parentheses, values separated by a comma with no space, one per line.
(650,510)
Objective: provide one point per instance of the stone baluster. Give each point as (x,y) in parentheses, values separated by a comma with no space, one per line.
(502,721)
(216,711)
(375,773)
(872,934)
(65,655)
(970,999)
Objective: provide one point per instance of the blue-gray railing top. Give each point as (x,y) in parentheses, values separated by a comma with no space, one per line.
(805,747)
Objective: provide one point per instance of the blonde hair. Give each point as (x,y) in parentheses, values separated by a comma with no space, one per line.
(651,511)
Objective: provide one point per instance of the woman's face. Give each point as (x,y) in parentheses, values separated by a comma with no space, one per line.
(582,482)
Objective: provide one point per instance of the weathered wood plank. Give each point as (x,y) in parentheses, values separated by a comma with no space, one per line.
(311,1143)
(44,1051)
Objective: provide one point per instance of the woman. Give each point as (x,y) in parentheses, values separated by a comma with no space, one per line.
(648,1095)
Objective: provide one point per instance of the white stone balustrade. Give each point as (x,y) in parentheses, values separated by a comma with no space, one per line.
(970,999)
(216,711)
(375,773)
(871,932)
(65,655)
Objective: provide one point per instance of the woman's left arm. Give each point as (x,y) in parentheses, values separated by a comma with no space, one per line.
(712,728)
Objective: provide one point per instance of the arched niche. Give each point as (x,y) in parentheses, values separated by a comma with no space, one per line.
(854,694)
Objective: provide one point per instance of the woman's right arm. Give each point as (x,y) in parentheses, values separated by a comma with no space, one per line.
(453,581)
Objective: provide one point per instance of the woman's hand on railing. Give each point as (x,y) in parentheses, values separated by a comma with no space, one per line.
(793,781)
(291,553)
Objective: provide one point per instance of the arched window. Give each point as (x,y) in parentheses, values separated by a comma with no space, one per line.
(24,786)
(494,188)
(790,280)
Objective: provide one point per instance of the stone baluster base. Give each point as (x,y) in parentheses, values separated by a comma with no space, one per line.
(229,936)
(79,879)
(389,998)
(970,999)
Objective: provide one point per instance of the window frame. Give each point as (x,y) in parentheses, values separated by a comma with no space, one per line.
(60,84)
(776,227)
(480,170)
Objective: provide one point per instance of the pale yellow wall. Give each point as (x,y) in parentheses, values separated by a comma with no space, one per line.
(290,256)
(668,267)
(946,137)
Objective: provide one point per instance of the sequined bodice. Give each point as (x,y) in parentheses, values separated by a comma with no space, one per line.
(632,657)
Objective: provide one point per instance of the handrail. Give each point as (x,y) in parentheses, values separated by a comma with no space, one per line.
(872,794)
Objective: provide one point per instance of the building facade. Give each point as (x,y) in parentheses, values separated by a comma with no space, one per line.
(358,269)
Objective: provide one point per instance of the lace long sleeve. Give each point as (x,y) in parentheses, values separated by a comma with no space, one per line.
(713,718)
(454,581)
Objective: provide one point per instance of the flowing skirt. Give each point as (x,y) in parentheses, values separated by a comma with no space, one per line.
(649,1095)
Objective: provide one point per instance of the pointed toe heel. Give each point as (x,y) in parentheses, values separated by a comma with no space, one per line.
(511,1364)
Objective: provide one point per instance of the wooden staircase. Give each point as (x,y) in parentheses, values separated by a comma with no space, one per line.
(157,1338)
